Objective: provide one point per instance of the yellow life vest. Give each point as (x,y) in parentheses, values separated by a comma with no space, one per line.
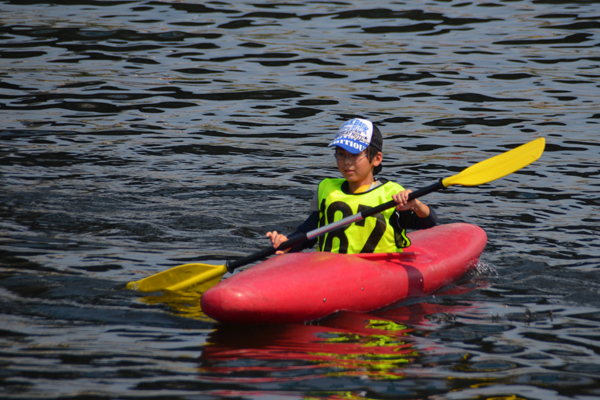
(374,234)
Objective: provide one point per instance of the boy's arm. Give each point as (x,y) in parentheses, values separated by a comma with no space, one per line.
(311,223)
(410,220)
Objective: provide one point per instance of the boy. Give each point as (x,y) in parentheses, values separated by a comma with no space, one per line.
(358,152)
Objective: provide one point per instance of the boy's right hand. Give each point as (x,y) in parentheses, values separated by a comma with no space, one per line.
(276,240)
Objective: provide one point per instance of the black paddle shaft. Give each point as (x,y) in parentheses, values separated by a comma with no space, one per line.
(302,237)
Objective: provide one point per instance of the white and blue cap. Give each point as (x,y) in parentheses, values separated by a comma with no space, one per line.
(356,135)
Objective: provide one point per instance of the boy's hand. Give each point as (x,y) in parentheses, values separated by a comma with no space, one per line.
(417,206)
(402,200)
(276,240)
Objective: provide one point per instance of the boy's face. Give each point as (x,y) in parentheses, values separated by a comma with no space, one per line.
(356,168)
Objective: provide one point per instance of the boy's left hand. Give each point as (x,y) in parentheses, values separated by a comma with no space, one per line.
(420,208)
(402,200)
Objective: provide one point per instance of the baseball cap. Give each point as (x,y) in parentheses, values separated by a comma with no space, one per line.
(356,135)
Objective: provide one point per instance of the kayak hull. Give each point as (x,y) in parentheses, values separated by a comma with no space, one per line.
(301,287)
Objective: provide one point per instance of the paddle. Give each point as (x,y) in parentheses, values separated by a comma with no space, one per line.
(201,277)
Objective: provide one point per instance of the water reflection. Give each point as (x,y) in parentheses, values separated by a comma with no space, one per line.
(346,345)
(185,304)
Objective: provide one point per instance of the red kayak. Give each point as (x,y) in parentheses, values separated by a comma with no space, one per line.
(301,287)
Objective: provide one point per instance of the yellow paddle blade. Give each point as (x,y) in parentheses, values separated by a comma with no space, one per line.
(196,277)
(498,166)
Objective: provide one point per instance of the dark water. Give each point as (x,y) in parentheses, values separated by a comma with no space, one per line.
(139,135)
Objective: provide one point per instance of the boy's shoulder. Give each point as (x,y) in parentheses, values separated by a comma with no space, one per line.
(342,184)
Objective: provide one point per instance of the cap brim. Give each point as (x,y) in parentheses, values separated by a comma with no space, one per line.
(349,145)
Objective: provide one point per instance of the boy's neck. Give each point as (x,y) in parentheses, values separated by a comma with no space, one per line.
(360,187)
